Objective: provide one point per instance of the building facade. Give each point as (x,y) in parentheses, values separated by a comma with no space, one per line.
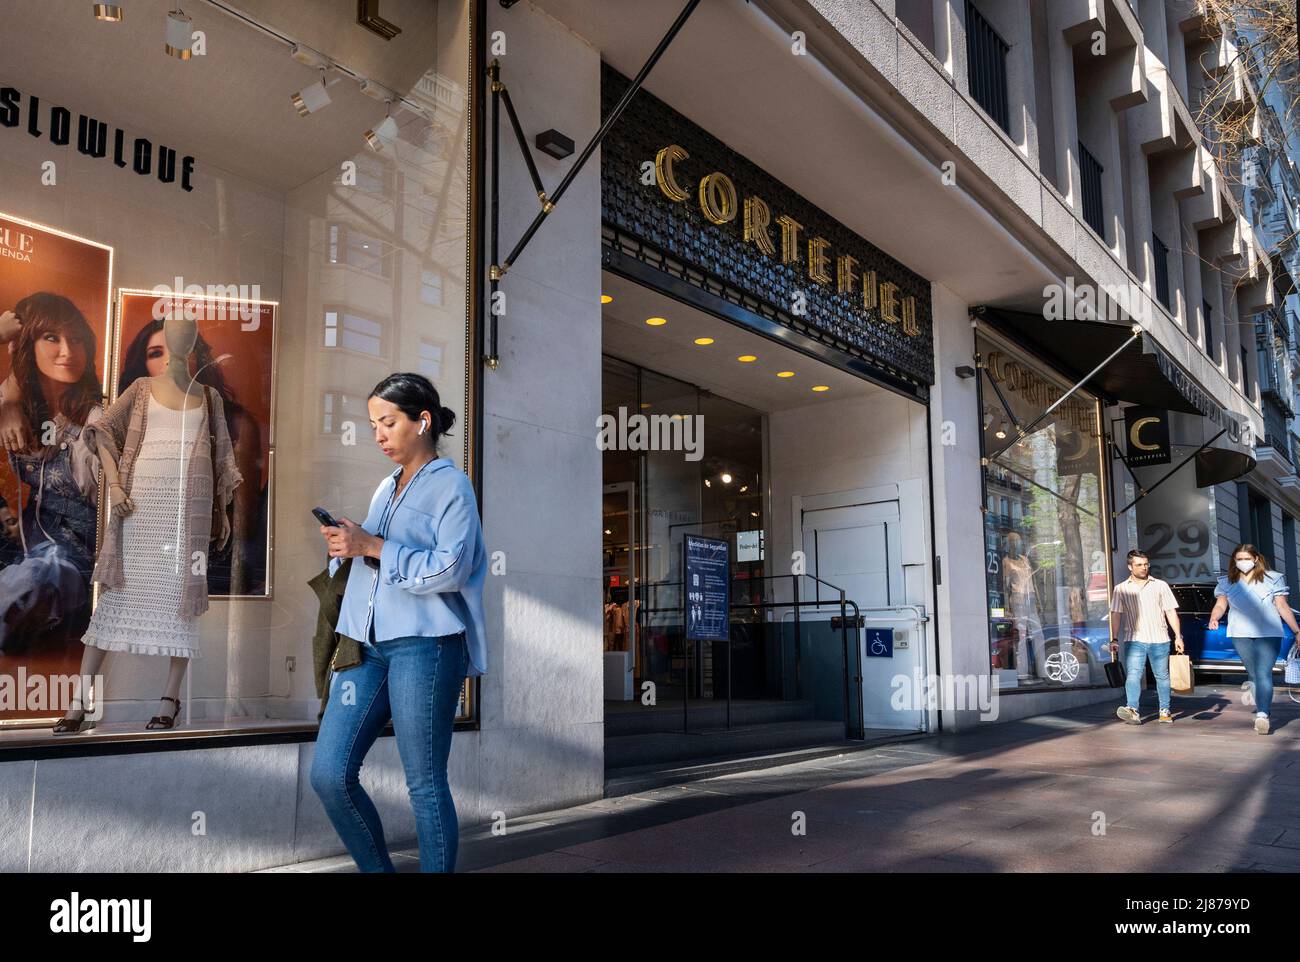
(857,302)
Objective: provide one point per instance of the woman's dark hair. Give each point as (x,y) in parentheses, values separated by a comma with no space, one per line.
(43,313)
(135,362)
(413,393)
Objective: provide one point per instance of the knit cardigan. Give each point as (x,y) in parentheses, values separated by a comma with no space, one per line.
(121,431)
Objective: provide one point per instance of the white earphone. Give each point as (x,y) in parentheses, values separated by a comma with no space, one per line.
(424,425)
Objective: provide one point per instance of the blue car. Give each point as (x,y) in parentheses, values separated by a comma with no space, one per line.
(1212,651)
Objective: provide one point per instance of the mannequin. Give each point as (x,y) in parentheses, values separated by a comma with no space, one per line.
(171,475)
(1022,600)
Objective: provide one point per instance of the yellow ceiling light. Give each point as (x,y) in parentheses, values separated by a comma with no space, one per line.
(704,340)
(656,321)
(785,373)
(821,387)
(746,358)
(606,299)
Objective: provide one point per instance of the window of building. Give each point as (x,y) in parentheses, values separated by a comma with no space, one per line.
(431,288)
(355,332)
(1211,346)
(431,359)
(355,248)
(986,55)
(260,214)
(1045,565)
(1161,255)
(1090,171)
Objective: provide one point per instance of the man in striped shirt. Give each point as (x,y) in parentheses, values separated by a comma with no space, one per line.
(1140,608)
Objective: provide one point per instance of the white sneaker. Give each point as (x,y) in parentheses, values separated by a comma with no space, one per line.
(1261,724)
(1130,715)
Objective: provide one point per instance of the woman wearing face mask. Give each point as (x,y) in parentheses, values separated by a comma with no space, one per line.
(1255,600)
(414,598)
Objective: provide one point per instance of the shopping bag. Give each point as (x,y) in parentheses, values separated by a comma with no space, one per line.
(1292,676)
(1181,679)
(1115,672)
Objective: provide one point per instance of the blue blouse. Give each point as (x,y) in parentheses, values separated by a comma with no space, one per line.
(1252,612)
(431,571)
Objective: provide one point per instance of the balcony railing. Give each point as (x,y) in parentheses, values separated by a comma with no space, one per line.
(986,56)
(1161,254)
(1090,172)
(1277,433)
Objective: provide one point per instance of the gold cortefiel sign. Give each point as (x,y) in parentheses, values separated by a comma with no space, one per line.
(720,203)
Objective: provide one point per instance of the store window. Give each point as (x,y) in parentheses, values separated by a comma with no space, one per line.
(284,240)
(1046,546)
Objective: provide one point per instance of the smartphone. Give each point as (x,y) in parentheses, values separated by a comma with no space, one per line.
(325,518)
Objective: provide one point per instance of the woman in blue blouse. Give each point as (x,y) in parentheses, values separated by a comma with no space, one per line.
(1255,599)
(415,602)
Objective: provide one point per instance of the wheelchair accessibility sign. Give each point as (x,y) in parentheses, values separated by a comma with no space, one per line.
(879,642)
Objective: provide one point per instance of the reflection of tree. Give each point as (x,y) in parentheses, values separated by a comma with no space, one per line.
(1071,562)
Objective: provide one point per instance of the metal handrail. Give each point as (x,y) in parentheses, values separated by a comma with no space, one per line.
(844,604)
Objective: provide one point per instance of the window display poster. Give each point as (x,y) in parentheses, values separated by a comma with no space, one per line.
(235,355)
(707,594)
(55,303)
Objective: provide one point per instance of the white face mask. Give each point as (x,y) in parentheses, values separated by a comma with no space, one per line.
(1245,567)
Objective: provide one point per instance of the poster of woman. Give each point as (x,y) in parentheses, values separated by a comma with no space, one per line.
(235,355)
(55,315)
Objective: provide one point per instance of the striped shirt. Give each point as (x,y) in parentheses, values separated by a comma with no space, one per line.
(1141,606)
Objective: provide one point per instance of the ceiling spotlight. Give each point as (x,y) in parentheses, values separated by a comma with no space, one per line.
(785,373)
(746,358)
(179,35)
(109,12)
(385,133)
(656,321)
(306,55)
(988,419)
(607,531)
(606,299)
(311,98)
(744,488)
(1001,432)
(703,341)
(376,91)
(753,514)
(708,483)
(726,478)
(821,387)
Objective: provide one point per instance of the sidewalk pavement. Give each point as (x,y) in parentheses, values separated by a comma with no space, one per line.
(1073,791)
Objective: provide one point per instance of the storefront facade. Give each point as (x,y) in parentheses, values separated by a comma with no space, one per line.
(813,239)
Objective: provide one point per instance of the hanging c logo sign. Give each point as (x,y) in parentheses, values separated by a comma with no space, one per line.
(1135,432)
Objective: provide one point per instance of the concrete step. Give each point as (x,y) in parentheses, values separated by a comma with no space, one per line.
(648,748)
(633,719)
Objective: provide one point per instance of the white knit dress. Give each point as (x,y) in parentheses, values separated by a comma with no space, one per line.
(143,616)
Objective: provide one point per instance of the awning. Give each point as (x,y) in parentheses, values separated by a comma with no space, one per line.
(1144,374)
(1221,465)
(1076,347)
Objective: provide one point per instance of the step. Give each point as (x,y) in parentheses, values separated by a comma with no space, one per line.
(648,748)
(623,719)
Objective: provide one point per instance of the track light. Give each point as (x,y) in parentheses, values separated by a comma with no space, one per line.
(109,12)
(385,133)
(179,39)
(1001,432)
(311,98)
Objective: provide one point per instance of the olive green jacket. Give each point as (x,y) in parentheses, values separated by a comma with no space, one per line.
(330,650)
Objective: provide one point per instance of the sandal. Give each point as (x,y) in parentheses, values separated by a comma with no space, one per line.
(68,725)
(162,721)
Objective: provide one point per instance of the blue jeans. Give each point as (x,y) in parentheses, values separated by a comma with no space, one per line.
(1258,655)
(416,682)
(1135,659)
